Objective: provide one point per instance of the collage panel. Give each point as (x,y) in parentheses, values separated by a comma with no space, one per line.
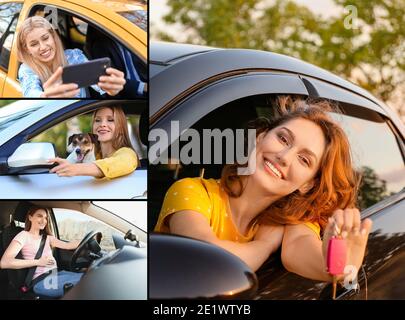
(73,149)
(94,250)
(73,49)
(277,156)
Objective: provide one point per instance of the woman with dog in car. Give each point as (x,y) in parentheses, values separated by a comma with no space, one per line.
(302,192)
(28,242)
(114,153)
(41,52)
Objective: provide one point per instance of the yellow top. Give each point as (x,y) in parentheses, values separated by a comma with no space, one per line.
(122,162)
(208,198)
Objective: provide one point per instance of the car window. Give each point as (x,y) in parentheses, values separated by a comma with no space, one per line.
(59,134)
(138,17)
(9,13)
(74,225)
(77,32)
(377,155)
(375,150)
(80,25)
(132,211)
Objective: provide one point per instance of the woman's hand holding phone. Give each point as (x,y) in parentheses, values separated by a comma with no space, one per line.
(54,88)
(113,82)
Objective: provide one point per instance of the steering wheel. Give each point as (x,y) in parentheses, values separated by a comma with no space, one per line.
(87,250)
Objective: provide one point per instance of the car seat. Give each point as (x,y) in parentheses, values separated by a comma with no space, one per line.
(16,277)
(100,45)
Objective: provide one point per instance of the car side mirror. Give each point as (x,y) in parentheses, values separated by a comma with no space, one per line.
(185,268)
(31,157)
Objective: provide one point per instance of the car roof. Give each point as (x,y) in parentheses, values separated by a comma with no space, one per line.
(178,59)
(118,5)
(166,53)
(216,61)
(114,5)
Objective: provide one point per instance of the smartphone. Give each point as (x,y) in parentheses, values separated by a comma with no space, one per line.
(87,73)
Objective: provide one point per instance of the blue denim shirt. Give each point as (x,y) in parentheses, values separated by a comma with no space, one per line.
(31,85)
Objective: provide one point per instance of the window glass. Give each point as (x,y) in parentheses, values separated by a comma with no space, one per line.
(74,225)
(9,13)
(80,25)
(376,154)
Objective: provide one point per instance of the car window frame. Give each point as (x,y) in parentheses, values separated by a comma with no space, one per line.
(211,97)
(16,18)
(60,115)
(87,20)
(56,225)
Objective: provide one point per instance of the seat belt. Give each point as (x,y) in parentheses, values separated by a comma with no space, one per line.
(28,279)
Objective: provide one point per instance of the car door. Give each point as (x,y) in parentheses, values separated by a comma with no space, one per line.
(99,15)
(44,185)
(8,22)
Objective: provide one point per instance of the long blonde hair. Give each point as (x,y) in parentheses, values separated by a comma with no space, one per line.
(41,69)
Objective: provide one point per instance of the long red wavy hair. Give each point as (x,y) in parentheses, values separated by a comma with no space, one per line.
(336,182)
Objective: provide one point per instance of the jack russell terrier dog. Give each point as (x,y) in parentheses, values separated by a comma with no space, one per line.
(82,147)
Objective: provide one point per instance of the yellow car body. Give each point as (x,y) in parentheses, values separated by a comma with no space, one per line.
(104,13)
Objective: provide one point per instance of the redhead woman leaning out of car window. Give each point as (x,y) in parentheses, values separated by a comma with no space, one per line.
(303,186)
(28,241)
(114,153)
(41,52)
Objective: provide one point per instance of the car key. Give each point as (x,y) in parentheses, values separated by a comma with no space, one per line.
(336,259)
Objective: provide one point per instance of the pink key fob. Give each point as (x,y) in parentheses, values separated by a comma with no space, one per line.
(336,258)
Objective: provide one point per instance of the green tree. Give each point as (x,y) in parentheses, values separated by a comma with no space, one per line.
(366,46)
(372,188)
(5,102)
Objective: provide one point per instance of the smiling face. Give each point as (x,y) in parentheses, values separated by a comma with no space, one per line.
(41,45)
(39,220)
(104,125)
(288,157)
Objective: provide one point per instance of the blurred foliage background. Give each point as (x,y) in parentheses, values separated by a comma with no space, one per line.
(60,133)
(363,41)
(5,102)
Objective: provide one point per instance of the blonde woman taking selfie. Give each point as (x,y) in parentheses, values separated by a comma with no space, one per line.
(41,52)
